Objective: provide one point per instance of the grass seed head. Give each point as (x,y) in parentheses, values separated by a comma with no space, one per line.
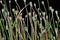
(15,0)
(40,19)
(21,14)
(44,14)
(56,12)
(50,8)
(0,1)
(34,5)
(54,38)
(2,10)
(8,13)
(29,13)
(58,17)
(6,27)
(24,1)
(31,4)
(33,18)
(42,2)
(23,19)
(9,1)
(35,15)
(13,10)
(40,13)
(26,16)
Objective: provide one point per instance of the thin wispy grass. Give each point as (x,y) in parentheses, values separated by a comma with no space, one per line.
(36,25)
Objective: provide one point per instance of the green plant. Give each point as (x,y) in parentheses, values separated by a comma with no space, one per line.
(17,28)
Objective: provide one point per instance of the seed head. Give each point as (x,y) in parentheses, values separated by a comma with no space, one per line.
(29,14)
(35,15)
(34,5)
(10,18)
(24,1)
(52,10)
(58,18)
(50,7)
(40,19)
(8,13)
(33,18)
(6,27)
(23,19)
(44,14)
(56,12)
(0,1)
(40,13)
(53,38)
(26,16)
(42,2)
(2,10)
(15,0)
(21,14)
(9,1)
(31,4)
(13,9)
